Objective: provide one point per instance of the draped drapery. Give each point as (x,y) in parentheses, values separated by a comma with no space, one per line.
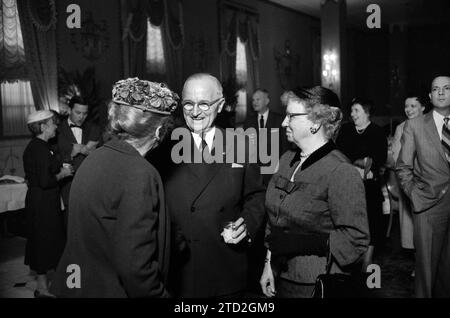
(164,14)
(243,24)
(12,54)
(38,23)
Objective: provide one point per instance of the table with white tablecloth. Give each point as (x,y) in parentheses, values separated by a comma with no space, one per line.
(12,196)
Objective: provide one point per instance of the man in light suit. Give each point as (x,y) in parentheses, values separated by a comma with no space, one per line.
(202,196)
(424,172)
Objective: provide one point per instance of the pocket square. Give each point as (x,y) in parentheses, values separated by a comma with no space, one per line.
(236,165)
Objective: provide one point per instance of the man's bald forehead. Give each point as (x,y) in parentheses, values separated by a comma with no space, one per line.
(204,78)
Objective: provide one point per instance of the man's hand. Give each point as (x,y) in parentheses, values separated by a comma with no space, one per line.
(240,231)
(76,149)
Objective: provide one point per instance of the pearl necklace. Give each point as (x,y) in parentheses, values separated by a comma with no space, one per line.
(361,131)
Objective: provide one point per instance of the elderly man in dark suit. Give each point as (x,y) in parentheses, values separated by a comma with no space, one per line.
(77,138)
(424,172)
(202,196)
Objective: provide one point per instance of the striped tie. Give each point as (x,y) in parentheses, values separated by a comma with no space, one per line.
(446,138)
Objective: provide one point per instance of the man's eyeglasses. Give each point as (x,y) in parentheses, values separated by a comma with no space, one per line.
(204,105)
(290,115)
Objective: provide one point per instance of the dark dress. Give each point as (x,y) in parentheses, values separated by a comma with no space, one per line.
(370,143)
(45,225)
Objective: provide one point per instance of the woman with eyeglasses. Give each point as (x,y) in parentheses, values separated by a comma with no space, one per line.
(118,228)
(315,201)
(365,144)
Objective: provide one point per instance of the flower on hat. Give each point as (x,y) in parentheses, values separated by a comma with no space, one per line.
(145,95)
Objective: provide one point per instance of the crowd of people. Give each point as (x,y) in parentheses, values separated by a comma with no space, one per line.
(137,223)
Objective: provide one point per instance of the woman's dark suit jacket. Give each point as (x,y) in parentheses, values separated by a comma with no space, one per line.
(118,227)
(327,196)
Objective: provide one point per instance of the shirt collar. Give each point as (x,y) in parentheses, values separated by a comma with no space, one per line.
(69,122)
(209,137)
(265,115)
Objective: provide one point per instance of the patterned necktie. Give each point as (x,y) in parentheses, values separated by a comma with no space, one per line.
(261,121)
(446,138)
(205,151)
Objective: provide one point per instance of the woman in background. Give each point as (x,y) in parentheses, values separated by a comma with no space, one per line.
(315,201)
(45,224)
(414,107)
(118,226)
(365,144)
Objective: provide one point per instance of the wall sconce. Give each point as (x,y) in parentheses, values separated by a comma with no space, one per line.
(330,72)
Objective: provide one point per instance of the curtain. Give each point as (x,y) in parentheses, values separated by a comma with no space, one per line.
(38,23)
(167,15)
(243,24)
(173,42)
(134,38)
(12,53)
(17,104)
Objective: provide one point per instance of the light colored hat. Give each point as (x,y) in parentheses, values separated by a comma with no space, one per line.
(39,116)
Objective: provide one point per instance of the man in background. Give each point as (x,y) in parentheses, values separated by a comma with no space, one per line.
(423,167)
(76,139)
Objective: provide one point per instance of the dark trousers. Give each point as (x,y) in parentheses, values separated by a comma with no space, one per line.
(432,243)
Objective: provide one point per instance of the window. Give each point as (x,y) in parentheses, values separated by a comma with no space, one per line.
(241,63)
(241,79)
(155,63)
(15,89)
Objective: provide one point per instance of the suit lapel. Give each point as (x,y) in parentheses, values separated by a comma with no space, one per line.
(204,172)
(68,132)
(433,134)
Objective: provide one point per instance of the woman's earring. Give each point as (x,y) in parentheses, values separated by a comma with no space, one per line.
(314,129)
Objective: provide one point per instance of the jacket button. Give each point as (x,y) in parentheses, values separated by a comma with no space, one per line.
(192,209)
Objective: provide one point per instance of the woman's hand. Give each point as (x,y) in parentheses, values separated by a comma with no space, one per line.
(267,281)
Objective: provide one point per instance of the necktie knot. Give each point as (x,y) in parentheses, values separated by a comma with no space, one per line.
(261,121)
(74,126)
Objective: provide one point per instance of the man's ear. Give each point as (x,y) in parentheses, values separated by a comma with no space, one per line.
(219,109)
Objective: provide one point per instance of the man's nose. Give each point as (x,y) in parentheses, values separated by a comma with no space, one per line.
(285,122)
(196,110)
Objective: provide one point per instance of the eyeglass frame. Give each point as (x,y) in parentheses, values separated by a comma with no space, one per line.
(210,104)
(290,115)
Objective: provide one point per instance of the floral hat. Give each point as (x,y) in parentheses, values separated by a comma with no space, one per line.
(145,95)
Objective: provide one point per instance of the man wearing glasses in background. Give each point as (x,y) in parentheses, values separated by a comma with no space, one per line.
(203,196)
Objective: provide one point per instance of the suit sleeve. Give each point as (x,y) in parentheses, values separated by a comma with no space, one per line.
(346,196)
(405,162)
(253,208)
(135,240)
(396,142)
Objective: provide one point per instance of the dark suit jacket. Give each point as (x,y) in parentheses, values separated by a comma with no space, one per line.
(200,198)
(274,121)
(421,166)
(65,141)
(118,227)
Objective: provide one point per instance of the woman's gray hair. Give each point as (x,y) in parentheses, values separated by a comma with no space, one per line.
(135,125)
(323,106)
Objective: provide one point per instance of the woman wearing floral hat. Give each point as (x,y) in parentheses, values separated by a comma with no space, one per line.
(117,243)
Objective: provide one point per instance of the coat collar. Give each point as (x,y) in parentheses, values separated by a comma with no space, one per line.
(315,156)
(122,146)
